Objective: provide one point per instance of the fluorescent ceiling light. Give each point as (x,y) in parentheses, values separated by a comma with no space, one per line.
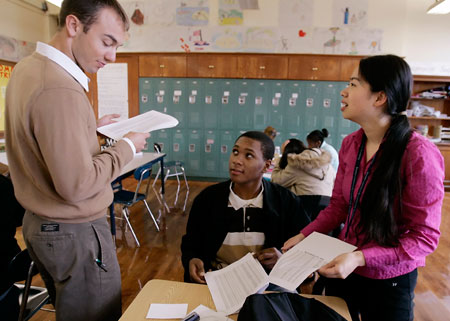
(439,7)
(56,2)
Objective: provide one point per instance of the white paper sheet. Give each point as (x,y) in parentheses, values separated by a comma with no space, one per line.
(207,314)
(167,311)
(144,123)
(112,84)
(230,286)
(306,257)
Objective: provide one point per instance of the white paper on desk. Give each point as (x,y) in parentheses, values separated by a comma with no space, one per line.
(306,257)
(167,311)
(230,286)
(143,123)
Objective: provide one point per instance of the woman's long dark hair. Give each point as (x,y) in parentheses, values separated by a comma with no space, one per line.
(294,146)
(392,75)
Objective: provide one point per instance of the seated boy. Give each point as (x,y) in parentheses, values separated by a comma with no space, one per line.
(242,215)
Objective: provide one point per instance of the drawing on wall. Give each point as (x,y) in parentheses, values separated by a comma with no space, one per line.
(350,13)
(294,13)
(230,13)
(192,16)
(197,40)
(258,39)
(362,42)
(292,40)
(249,4)
(5,74)
(332,45)
(13,50)
(151,13)
(229,39)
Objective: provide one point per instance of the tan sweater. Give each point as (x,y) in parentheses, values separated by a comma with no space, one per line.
(54,157)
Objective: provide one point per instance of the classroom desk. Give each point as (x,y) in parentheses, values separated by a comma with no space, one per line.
(162,291)
(128,170)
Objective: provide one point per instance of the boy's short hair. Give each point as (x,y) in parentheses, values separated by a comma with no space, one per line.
(267,146)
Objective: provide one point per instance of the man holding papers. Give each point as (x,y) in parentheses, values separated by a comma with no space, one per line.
(60,176)
(242,215)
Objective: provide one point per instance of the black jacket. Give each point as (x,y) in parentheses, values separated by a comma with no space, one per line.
(208,223)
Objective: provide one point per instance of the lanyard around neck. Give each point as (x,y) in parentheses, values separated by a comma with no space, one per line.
(352,206)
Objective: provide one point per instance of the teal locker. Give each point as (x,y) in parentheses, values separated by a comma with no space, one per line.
(244,106)
(195,152)
(211,103)
(227,103)
(179,145)
(211,150)
(293,105)
(152,94)
(227,139)
(163,137)
(276,105)
(261,103)
(298,135)
(196,96)
(177,101)
(279,140)
(331,113)
(312,107)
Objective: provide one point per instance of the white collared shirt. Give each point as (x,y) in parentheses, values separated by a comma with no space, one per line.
(236,202)
(65,62)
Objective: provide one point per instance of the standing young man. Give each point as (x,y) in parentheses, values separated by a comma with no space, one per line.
(60,176)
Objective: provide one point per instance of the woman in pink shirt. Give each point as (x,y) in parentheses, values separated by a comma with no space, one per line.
(388,192)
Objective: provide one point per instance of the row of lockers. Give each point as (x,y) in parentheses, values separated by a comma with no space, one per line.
(214,112)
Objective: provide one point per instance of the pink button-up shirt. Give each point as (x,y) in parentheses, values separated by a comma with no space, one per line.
(423,192)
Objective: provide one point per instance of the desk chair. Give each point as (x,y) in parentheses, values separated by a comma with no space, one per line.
(31,298)
(172,168)
(128,198)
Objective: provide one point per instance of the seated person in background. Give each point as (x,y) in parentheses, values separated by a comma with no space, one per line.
(242,215)
(307,173)
(271,132)
(316,139)
(12,215)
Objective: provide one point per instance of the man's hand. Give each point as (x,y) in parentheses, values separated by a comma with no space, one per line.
(138,139)
(268,257)
(107,119)
(343,265)
(292,242)
(197,270)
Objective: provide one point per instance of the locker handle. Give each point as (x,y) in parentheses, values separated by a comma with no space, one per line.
(211,66)
(161,66)
(315,68)
(262,67)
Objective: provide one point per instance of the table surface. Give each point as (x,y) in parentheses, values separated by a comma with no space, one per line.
(141,159)
(163,291)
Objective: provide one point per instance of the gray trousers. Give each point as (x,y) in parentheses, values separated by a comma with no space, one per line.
(79,266)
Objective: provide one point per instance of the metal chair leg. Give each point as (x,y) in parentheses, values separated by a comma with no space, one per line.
(151,214)
(126,214)
(156,177)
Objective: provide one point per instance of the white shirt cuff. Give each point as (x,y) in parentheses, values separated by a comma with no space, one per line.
(131,145)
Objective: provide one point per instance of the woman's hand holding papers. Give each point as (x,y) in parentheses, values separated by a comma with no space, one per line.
(197,270)
(343,265)
(292,242)
(268,257)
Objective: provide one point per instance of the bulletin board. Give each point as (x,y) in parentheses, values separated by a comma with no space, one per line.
(5,74)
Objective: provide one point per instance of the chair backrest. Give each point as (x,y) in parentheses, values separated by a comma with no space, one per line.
(19,266)
(141,174)
(157,148)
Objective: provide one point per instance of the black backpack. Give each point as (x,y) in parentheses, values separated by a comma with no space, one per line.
(285,306)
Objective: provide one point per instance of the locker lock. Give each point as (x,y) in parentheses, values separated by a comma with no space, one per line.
(276,99)
(176,96)
(225,96)
(293,99)
(160,96)
(241,99)
(192,96)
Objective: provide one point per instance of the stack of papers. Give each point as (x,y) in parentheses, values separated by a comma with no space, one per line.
(144,123)
(230,286)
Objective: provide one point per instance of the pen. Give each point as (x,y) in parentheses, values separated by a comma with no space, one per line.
(101,265)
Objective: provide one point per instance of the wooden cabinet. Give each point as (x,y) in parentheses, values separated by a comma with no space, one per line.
(211,66)
(162,65)
(431,126)
(262,66)
(322,67)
